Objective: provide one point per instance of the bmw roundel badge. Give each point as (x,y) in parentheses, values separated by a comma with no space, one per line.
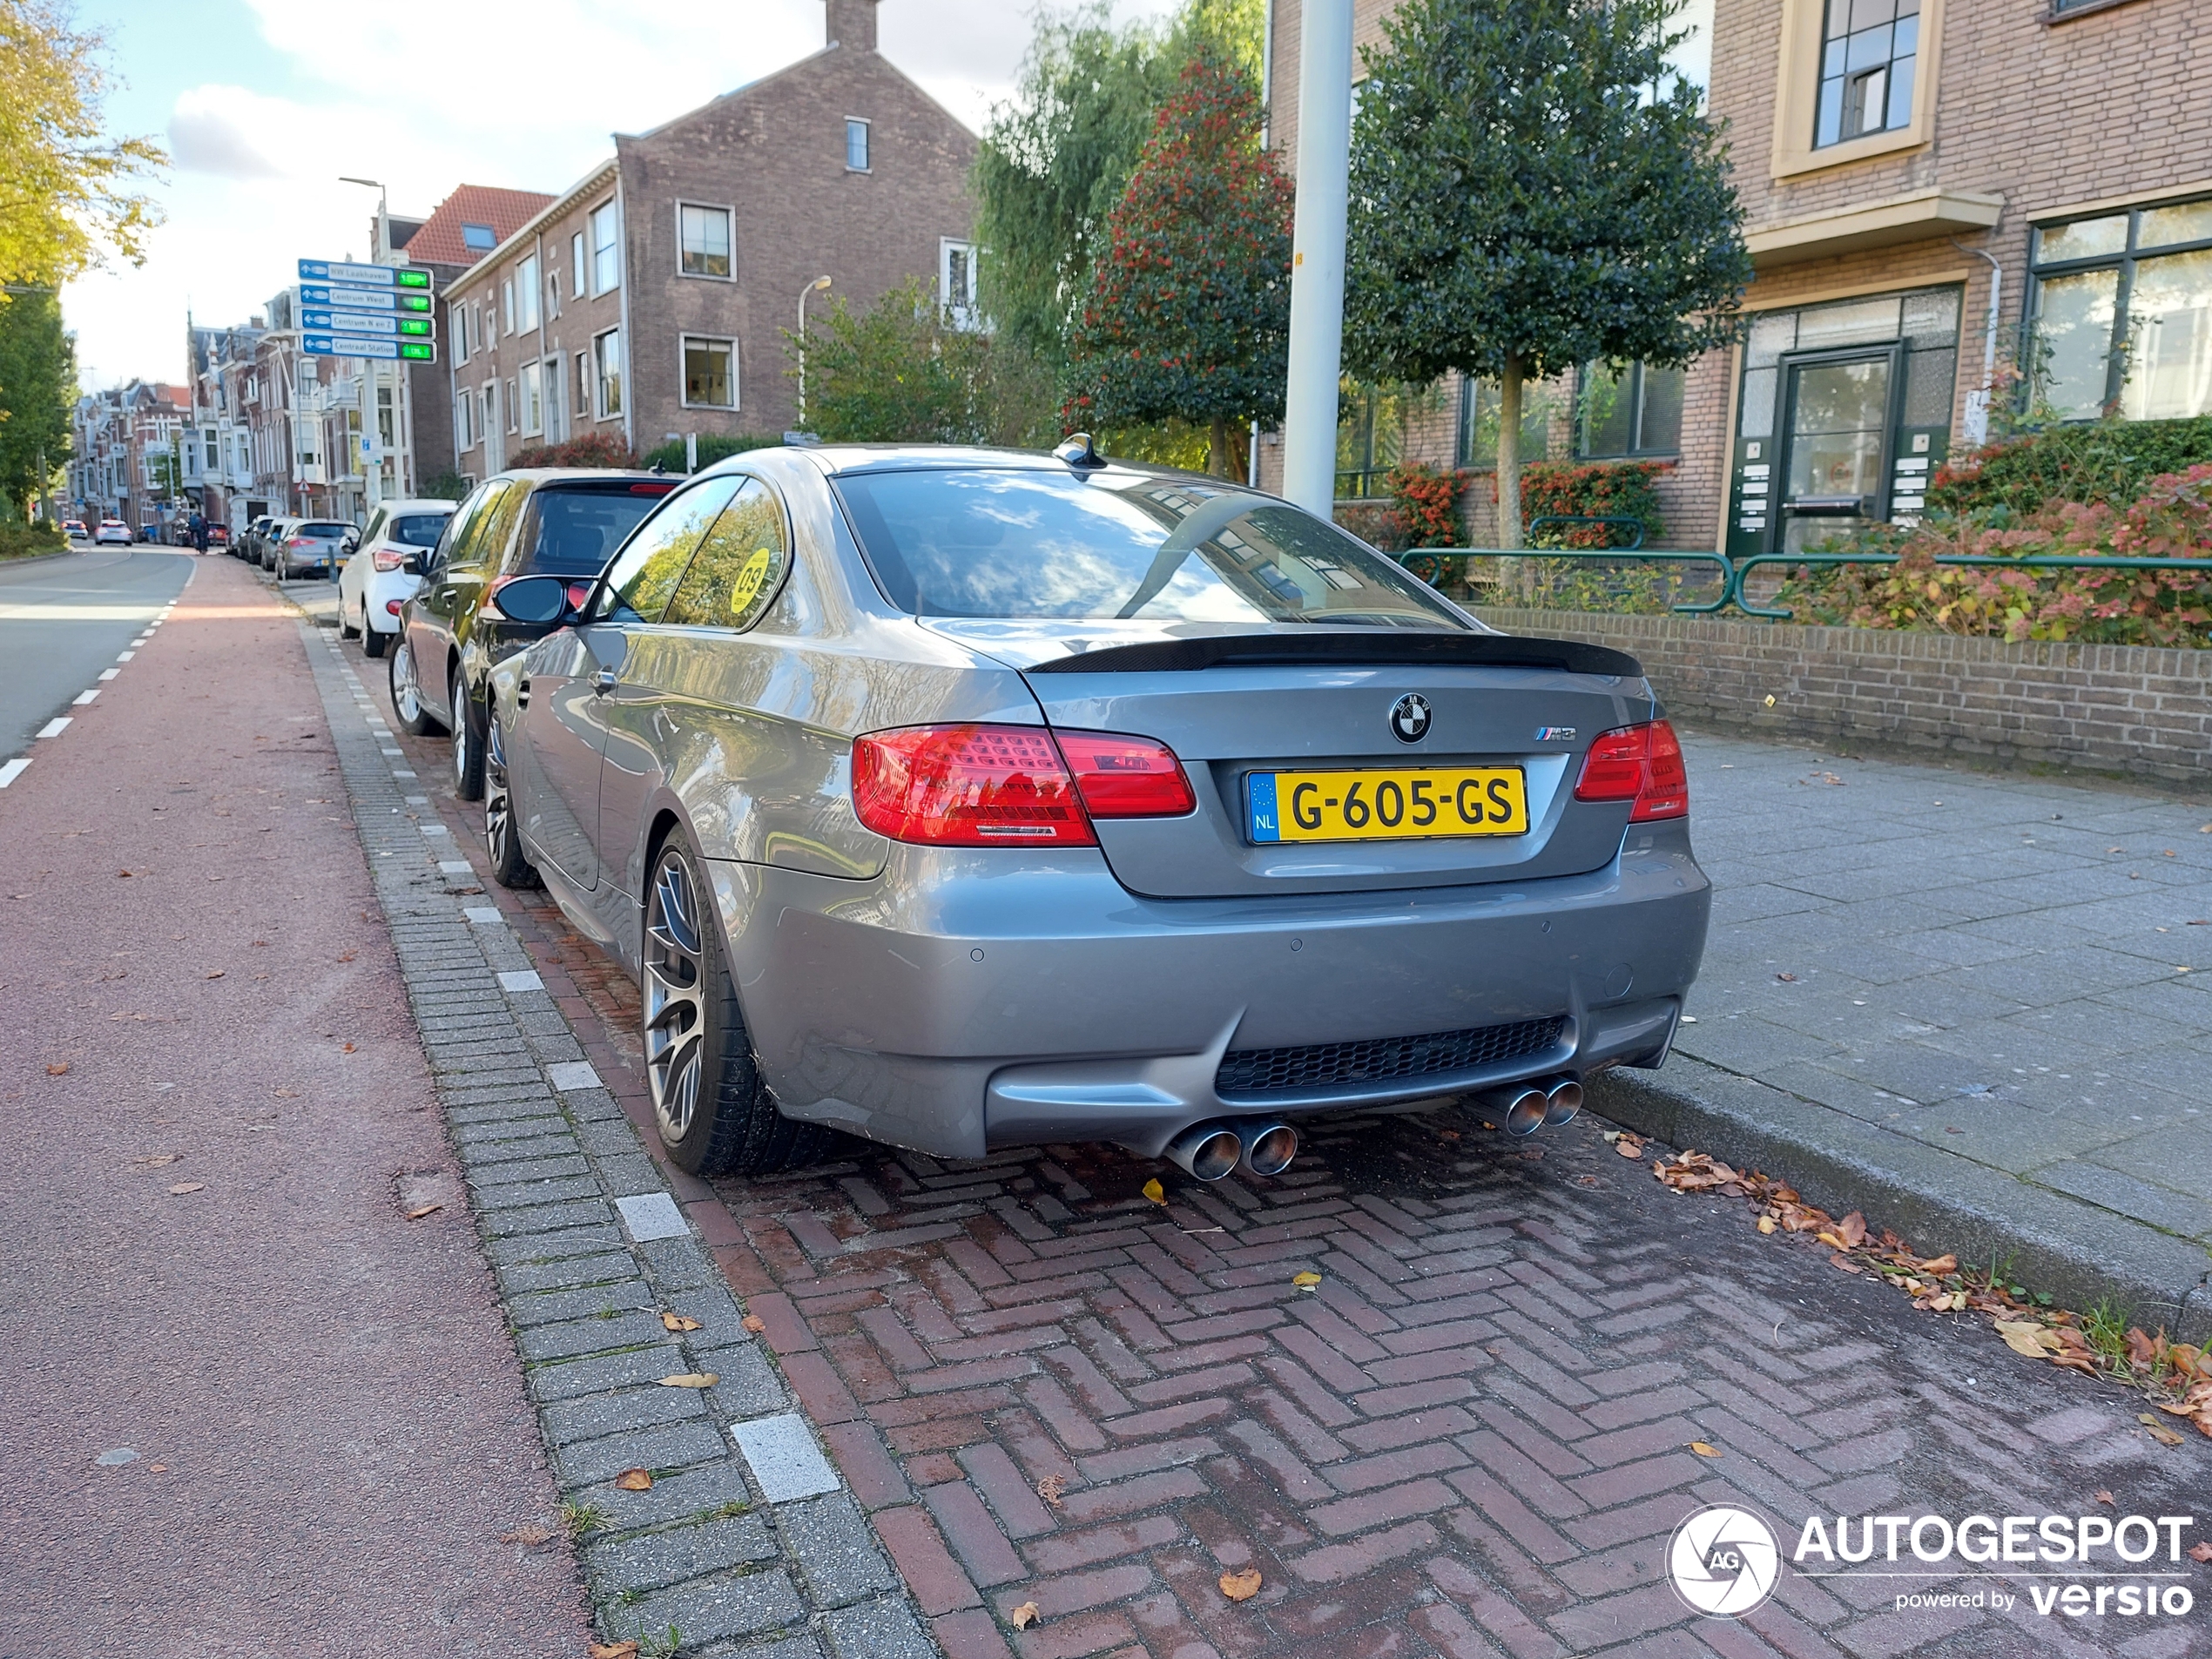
(1409,718)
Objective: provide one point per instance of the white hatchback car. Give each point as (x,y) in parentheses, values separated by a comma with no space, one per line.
(386,568)
(113,532)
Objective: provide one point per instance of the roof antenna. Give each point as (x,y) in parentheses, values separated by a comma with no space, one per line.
(1075,450)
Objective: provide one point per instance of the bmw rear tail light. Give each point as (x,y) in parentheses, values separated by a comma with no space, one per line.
(1641,764)
(1119,777)
(298,541)
(967,786)
(387,558)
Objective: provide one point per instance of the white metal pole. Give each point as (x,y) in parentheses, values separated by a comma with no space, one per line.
(1317,254)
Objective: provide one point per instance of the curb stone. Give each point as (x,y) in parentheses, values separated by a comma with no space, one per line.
(547,1159)
(2078,1253)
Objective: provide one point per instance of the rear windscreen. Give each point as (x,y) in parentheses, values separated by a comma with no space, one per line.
(417,529)
(325,531)
(1029,543)
(575,532)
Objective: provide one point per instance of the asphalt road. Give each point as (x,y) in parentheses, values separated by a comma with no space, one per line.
(247,1407)
(63,621)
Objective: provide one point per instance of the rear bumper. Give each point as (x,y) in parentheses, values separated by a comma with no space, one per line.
(963,1000)
(381,588)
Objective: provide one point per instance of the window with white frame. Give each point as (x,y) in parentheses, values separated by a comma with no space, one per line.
(457,325)
(556,427)
(710,373)
(526,294)
(514,409)
(606,372)
(553,293)
(583,384)
(956,281)
(606,248)
(464,439)
(579,272)
(856,145)
(531,389)
(507,306)
(702,233)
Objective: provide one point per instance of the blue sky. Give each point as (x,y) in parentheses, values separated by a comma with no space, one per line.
(263,104)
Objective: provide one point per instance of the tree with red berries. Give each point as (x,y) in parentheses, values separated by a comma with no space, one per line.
(1189,310)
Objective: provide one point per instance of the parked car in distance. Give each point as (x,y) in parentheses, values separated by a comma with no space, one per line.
(965,798)
(218,536)
(385,568)
(74,529)
(564,521)
(248,545)
(271,539)
(113,532)
(311,544)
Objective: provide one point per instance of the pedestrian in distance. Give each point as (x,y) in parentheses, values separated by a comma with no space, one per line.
(198,532)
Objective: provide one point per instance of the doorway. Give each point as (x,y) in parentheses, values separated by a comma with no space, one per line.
(1840,410)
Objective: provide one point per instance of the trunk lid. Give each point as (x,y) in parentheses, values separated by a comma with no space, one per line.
(1235,703)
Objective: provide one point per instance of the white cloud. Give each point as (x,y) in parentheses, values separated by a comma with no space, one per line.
(212,130)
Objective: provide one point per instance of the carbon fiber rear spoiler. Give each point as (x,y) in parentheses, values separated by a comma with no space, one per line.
(1324,649)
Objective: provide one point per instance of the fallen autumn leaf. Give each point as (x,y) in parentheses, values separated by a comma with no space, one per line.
(2106,1497)
(754,1322)
(1023,1617)
(691,1379)
(421,1211)
(1305,1281)
(57,1068)
(679,1322)
(634,1480)
(183,1187)
(1705,1449)
(2200,1551)
(1241,1586)
(2159,1431)
(1051,1490)
(1154,1191)
(624,1649)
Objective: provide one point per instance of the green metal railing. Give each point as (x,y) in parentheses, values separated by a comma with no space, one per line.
(1429,563)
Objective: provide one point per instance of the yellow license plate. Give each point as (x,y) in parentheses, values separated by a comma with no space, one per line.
(1388,804)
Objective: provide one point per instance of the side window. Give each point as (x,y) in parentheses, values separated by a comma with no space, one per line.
(460,526)
(496,527)
(739,565)
(646,570)
(375,527)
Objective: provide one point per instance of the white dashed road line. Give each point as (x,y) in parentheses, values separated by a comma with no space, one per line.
(11,770)
(54,727)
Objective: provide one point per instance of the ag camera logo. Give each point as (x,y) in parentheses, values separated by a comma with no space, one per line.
(1724,1561)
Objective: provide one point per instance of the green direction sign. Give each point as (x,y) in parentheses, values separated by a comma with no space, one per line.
(363,276)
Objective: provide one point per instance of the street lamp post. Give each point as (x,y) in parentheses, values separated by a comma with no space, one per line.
(815,286)
(1316,257)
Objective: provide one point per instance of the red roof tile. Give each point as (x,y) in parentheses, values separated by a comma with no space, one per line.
(503,211)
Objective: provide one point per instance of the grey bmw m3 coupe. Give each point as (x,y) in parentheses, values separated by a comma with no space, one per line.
(960,799)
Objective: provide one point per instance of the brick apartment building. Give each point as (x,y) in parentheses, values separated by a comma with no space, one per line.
(649,301)
(123,456)
(1901,163)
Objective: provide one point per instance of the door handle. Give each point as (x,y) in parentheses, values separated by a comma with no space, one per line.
(522,693)
(603,681)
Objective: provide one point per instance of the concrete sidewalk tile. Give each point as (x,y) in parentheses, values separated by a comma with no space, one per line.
(784,1459)
(668,1445)
(885,1629)
(653,1214)
(836,1550)
(708,1610)
(657,1559)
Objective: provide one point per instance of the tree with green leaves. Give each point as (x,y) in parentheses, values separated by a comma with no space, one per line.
(904,371)
(67,190)
(1533,189)
(1188,309)
(37,386)
(1054,162)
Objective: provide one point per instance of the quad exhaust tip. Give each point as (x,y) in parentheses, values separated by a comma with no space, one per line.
(1543,1104)
(1209,1151)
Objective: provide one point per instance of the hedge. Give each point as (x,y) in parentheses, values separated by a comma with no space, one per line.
(2111,462)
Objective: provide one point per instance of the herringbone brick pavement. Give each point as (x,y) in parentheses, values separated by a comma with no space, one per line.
(1471,1437)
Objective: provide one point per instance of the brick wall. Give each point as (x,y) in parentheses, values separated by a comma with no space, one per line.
(2144,714)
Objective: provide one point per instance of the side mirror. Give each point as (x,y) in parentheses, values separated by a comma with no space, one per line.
(412,565)
(352,542)
(532,600)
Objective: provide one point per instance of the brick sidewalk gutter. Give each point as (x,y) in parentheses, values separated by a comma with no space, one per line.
(759,1551)
(1472,1438)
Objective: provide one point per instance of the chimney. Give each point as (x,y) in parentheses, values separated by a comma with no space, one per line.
(852,22)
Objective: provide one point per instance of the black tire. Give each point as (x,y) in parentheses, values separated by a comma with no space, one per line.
(509,868)
(373,641)
(407,710)
(715,1115)
(468,723)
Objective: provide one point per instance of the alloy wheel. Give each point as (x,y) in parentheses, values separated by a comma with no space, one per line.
(499,807)
(675,1012)
(407,695)
(462,739)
